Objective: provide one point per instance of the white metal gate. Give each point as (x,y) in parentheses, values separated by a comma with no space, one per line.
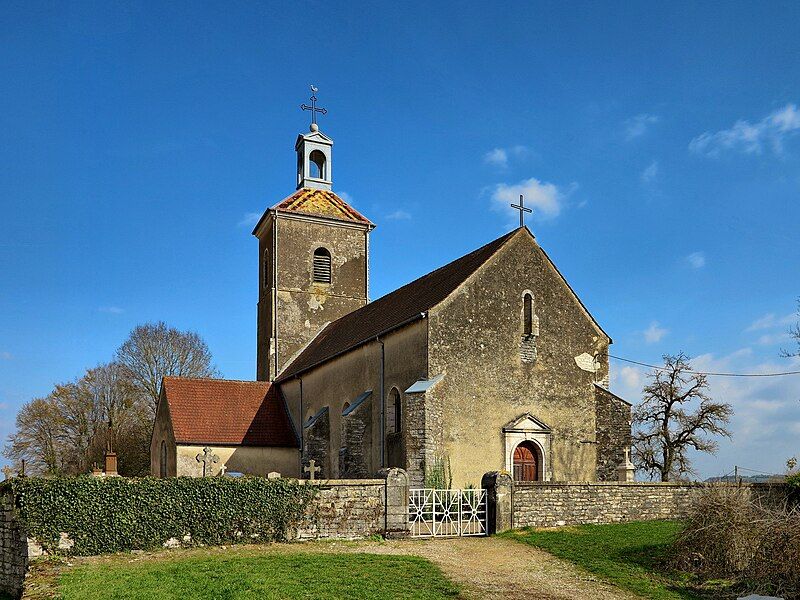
(447,513)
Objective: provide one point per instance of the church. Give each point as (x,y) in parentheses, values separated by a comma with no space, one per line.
(489,363)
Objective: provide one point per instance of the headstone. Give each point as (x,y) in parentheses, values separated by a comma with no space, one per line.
(311,469)
(208,458)
(8,472)
(757,597)
(273,475)
(222,470)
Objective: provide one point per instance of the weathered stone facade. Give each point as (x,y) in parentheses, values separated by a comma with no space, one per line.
(613,415)
(558,504)
(474,340)
(470,344)
(292,308)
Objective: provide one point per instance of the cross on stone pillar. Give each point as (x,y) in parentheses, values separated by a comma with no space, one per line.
(208,458)
(222,470)
(311,469)
(522,210)
(8,472)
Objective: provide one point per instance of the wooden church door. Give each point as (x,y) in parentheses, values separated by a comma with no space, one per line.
(526,463)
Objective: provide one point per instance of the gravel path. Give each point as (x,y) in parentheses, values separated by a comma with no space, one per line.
(499,568)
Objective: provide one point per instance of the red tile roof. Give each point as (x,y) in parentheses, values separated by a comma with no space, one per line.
(322,203)
(393,310)
(225,412)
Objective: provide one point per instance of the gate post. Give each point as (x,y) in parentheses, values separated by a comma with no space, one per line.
(395,509)
(499,509)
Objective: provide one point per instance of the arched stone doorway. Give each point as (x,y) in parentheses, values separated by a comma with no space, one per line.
(527,462)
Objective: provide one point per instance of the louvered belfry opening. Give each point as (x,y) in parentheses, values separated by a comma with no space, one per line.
(322,266)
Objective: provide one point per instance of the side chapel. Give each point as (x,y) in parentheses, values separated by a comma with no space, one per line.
(490,362)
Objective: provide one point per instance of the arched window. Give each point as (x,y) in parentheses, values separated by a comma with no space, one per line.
(527,462)
(527,314)
(322,266)
(316,165)
(345,406)
(394,416)
(163,465)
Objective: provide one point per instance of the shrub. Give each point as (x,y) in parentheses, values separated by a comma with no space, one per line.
(117,514)
(729,534)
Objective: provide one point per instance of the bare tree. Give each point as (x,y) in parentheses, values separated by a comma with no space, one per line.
(666,427)
(153,351)
(36,440)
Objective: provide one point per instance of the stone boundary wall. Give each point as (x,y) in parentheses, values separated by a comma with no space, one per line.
(555,504)
(345,509)
(342,509)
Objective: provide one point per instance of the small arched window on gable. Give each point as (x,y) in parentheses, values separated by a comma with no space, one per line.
(322,266)
(527,314)
(316,165)
(163,461)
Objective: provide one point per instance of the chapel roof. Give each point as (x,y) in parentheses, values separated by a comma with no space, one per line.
(320,203)
(398,308)
(227,412)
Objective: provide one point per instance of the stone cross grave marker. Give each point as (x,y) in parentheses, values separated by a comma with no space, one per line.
(8,472)
(311,469)
(208,458)
(222,470)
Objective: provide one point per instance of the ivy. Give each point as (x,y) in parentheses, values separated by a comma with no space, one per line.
(118,514)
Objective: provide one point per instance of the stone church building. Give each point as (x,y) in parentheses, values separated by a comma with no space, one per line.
(490,362)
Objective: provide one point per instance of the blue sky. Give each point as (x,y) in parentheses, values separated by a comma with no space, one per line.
(659,146)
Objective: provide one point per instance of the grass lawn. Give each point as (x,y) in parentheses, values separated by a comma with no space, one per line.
(259,575)
(629,555)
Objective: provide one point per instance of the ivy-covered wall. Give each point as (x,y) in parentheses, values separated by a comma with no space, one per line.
(90,515)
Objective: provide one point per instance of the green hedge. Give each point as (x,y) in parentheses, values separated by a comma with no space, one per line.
(119,514)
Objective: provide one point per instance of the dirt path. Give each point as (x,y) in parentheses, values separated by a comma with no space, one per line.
(499,568)
(484,567)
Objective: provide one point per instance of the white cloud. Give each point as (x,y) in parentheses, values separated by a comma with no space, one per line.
(249,219)
(398,215)
(544,198)
(345,196)
(696,260)
(650,173)
(654,333)
(6,356)
(499,157)
(751,138)
(111,310)
(637,126)
(772,339)
(770,321)
(628,382)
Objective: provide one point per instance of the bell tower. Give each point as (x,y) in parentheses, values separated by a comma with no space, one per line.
(313,256)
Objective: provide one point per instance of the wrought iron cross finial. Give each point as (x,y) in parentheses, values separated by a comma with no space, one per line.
(313,108)
(522,210)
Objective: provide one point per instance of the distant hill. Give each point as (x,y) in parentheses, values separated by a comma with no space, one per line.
(747,479)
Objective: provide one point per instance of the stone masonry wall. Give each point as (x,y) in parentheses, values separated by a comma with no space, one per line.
(356,437)
(13,551)
(557,504)
(345,509)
